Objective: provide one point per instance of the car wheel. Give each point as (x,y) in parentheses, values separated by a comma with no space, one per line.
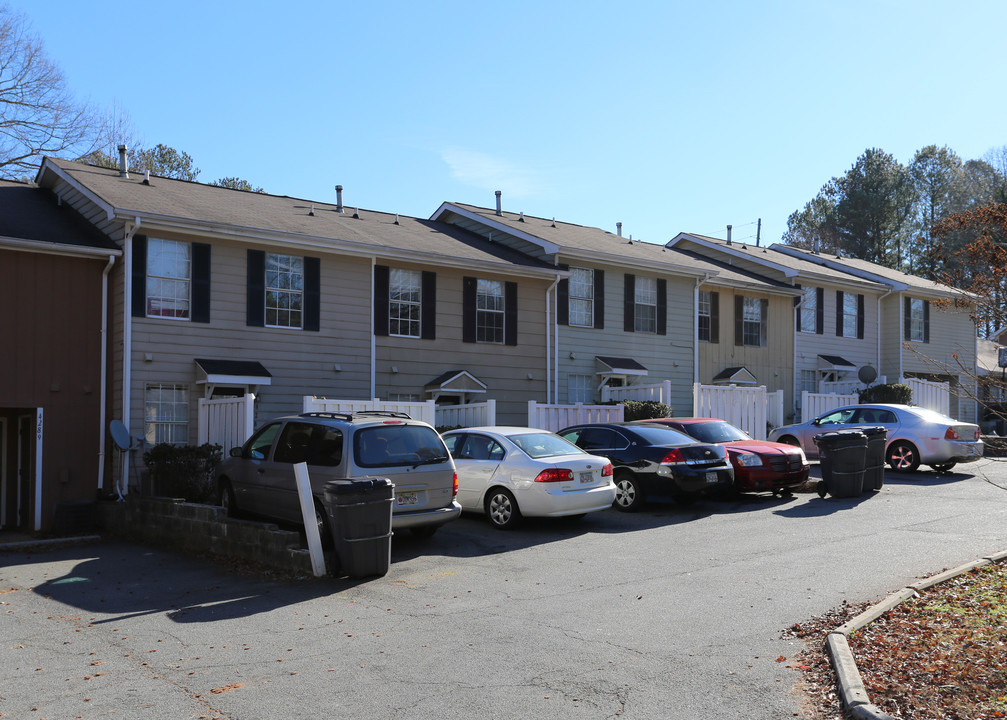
(789,440)
(225,498)
(502,509)
(324,532)
(425,532)
(943,467)
(903,456)
(628,493)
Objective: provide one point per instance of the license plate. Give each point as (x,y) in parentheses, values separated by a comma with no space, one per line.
(712,477)
(587,477)
(406,498)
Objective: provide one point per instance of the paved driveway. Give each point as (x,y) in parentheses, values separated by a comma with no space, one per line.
(676,612)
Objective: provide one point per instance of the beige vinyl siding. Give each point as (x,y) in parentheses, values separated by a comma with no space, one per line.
(300,362)
(504,369)
(772,364)
(666,357)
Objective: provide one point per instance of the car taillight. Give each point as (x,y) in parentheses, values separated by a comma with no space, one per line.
(675,457)
(607,471)
(977,433)
(950,434)
(454,490)
(554,475)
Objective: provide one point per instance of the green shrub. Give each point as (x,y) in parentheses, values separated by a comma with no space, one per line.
(892,393)
(645,410)
(184,471)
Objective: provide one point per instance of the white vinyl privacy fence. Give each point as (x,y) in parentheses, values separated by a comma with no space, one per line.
(815,404)
(227,422)
(557,417)
(471,415)
(930,395)
(749,408)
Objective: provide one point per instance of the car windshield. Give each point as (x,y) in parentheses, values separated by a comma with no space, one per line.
(543,445)
(391,445)
(715,432)
(661,435)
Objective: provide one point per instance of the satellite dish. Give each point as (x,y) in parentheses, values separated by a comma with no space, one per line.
(867,374)
(120,435)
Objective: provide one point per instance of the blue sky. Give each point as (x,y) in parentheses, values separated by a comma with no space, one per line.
(664,116)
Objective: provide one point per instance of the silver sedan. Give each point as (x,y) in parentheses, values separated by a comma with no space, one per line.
(915,435)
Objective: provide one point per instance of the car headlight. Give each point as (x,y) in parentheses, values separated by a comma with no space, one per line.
(749,460)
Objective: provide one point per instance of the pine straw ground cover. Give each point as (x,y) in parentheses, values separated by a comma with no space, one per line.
(941,655)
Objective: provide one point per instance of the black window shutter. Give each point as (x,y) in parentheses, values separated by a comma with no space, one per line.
(907,318)
(468,309)
(629,303)
(926,321)
(200,283)
(510,313)
(662,306)
(563,302)
(820,311)
(839,313)
(764,323)
(428,309)
(739,320)
(860,317)
(255,300)
(714,317)
(599,299)
(381,300)
(138,300)
(312,293)
(797,313)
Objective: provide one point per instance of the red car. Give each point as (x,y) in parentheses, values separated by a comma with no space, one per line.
(759,465)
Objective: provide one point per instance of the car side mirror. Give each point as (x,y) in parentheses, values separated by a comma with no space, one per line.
(235,452)
(816,421)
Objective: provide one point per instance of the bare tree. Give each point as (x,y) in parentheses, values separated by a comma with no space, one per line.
(38,113)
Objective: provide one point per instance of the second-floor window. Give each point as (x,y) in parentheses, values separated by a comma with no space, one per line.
(645,313)
(169,272)
(404,302)
(811,311)
(750,321)
(284,290)
(489,311)
(582,297)
(849,314)
(917,320)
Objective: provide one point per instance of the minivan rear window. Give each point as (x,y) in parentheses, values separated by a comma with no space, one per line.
(397,445)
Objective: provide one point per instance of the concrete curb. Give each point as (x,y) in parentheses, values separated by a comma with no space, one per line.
(47,543)
(852,694)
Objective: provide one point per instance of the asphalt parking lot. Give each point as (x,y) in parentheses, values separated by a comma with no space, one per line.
(675,612)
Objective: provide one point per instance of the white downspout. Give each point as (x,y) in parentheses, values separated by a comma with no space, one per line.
(102,412)
(127,342)
(551,363)
(879,331)
(374,346)
(695,329)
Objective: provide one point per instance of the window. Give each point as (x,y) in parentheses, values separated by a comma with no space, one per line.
(166,414)
(261,443)
(645,312)
(849,315)
(709,316)
(579,388)
(751,316)
(752,332)
(917,320)
(405,289)
(489,311)
(582,297)
(809,310)
(284,290)
(169,271)
(809,381)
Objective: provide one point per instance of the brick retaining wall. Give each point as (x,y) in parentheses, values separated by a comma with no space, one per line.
(199,529)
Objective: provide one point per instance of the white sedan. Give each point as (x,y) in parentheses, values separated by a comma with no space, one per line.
(511,472)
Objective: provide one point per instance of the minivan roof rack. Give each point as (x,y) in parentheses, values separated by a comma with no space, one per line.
(349,416)
(334,415)
(389,413)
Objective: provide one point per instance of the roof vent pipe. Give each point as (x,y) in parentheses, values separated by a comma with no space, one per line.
(339,198)
(815,245)
(728,234)
(618,229)
(499,205)
(123,162)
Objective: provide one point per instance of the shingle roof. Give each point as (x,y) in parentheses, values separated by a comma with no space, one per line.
(167,201)
(31,213)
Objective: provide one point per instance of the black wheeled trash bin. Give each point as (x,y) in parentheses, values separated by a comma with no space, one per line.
(874,471)
(842,456)
(360,518)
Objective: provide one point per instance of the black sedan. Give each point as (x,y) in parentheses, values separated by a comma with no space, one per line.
(654,460)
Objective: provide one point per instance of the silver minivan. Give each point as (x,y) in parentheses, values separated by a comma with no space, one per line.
(258,477)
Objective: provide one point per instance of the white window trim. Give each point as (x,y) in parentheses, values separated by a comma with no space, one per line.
(151,242)
(287,291)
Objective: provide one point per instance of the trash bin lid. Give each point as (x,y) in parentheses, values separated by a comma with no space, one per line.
(356,485)
(841,438)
